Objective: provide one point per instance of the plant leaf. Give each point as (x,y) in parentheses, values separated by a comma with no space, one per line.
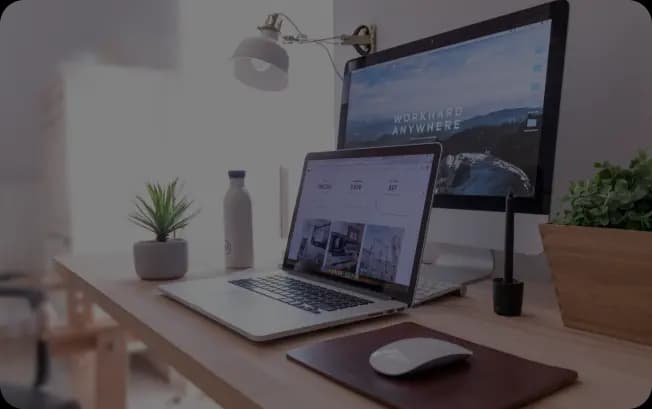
(165,212)
(614,197)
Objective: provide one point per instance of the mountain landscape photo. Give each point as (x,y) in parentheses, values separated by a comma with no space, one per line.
(482,99)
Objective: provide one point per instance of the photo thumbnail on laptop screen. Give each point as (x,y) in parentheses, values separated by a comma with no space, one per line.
(482,99)
(359,218)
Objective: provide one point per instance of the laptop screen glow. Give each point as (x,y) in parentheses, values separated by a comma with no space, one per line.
(359,218)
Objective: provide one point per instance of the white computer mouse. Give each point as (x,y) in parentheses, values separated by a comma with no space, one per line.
(412,355)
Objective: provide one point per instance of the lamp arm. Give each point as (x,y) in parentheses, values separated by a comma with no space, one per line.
(321,43)
(302,38)
(363,38)
(289,20)
(289,39)
(330,57)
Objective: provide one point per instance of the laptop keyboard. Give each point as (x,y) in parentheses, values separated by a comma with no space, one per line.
(300,294)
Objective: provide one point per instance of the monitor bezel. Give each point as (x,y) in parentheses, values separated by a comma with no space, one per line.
(556,11)
(397,292)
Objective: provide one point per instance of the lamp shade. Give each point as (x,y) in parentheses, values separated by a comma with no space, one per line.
(262,63)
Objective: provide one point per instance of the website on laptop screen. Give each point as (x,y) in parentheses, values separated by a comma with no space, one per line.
(359,218)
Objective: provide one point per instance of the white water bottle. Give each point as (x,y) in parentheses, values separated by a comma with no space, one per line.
(238,227)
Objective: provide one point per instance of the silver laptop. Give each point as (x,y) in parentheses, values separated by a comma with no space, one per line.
(353,252)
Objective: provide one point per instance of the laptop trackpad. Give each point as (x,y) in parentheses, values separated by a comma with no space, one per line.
(254,313)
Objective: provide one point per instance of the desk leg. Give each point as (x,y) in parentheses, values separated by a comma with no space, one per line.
(83,365)
(99,377)
(112,370)
(80,310)
(82,378)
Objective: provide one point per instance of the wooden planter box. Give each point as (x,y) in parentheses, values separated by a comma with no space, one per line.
(603,279)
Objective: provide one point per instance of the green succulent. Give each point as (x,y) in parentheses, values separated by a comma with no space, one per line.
(614,197)
(165,213)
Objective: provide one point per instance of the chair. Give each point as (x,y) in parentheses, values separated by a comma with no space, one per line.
(32,397)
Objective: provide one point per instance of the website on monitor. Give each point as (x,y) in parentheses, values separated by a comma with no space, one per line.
(482,99)
(359,218)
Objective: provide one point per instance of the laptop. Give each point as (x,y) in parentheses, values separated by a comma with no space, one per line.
(353,252)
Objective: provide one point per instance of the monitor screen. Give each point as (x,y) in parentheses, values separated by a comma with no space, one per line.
(483,99)
(360,218)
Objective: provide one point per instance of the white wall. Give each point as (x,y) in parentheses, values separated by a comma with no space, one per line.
(35,36)
(607,93)
(116,139)
(226,125)
(126,126)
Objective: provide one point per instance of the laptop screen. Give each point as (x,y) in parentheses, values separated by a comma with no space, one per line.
(360,218)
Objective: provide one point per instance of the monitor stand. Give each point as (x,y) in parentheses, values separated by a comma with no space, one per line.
(456,264)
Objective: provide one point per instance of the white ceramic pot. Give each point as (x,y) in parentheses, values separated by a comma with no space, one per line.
(156,260)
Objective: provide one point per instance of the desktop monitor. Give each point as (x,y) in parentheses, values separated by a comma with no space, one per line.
(490,93)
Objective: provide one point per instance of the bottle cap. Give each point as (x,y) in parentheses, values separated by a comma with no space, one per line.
(239,174)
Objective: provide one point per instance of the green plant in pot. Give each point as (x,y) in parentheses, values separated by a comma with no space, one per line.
(615,197)
(599,248)
(164,212)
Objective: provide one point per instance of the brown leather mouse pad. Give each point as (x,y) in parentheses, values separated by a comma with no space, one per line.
(490,379)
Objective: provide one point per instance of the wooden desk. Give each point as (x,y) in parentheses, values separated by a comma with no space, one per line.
(240,374)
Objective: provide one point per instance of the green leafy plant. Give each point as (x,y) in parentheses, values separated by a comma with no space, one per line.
(614,197)
(165,213)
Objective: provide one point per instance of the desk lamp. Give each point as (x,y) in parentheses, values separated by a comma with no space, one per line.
(261,62)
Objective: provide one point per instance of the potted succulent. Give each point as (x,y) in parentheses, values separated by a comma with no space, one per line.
(600,252)
(165,258)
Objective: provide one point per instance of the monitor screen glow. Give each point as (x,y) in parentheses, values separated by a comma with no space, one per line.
(483,99)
